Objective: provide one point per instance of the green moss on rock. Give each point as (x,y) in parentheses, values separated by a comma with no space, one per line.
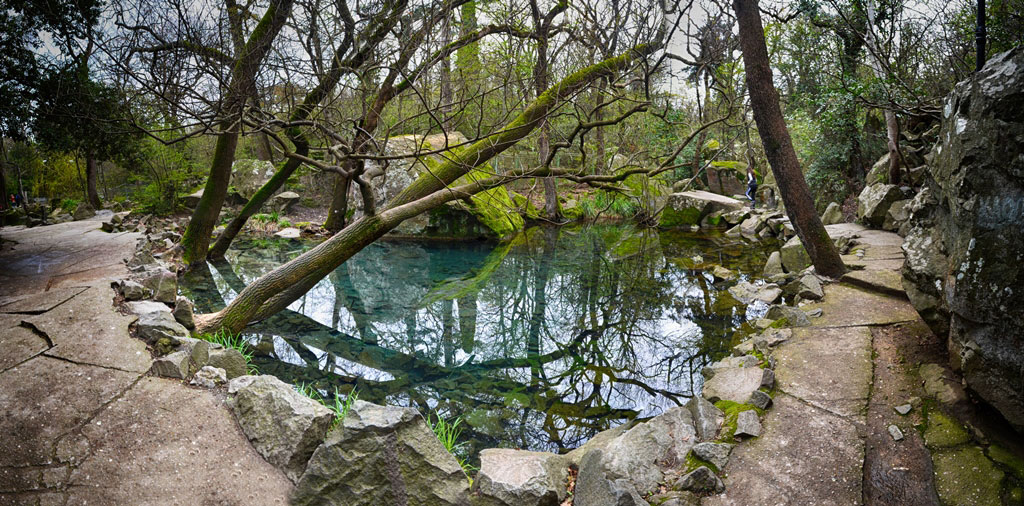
(731,410)
(1004,457)
(944,432)
(964,476)
(679,218)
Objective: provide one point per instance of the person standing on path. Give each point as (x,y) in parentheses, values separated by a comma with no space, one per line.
(752,187)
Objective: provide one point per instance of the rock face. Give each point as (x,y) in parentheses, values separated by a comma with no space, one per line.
(688,208)
(964,270)
(874,202)
(833,214)
(382,455)
(633,464)
(283,425)
(510,477)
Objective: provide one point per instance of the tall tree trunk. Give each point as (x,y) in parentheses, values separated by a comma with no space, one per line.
(540,82)
(599,131)
(339,204)
(4,196)
(778,146)
(892,126)
(90,183)
(446,76)
(196,238)
(979,37)
(280,287)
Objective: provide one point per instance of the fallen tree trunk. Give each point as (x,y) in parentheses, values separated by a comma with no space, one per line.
(279,288)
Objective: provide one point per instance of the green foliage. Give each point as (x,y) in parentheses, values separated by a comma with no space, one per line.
(339,404)
(732,410)
(448,433)
(234,342)
(68,205)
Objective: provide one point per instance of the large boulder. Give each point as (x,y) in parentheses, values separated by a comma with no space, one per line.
(382,455)
(284,201)
(689,208)
(632,465)
(733,384)
(248,175)
(510,477)
(874,202)
(283,425)
(794,255)
(833,214)
(964,269)
(164,286)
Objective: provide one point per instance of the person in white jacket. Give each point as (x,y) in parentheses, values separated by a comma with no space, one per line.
(752,187)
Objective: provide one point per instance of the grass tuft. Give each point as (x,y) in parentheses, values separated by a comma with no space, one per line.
(448,433)
(340,404)
(234,342)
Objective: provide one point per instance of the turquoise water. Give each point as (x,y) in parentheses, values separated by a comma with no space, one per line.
(538,343)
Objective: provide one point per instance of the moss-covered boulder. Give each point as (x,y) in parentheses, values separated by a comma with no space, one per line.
(685,209)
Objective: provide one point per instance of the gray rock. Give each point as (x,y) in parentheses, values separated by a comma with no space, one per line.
(715,453)
(248,175)
(284,426)
(236,384)
(132,290)
(689,208)
(768,376)
(897,215)
(284,201)
(289,233)
(174,365)
(771,338)
(752,225)
(733,384)
(795,317)
(964,268)
(509,477)
(903,409)
(896,433)
(164,285)
(154,325)
(674,498)
(183,312)
(381,455)
(594,487)
(794,256)
(746,292)
(833,214)
(707,419)
(83,212)
(744,348)
(814,313)
(747,424)
(639,457)
(720,272)
(191,201)
(809,288)
(760,399)
(701,480)
(230,360)
(729,362)
(774,264)
(209,377)
(874,202)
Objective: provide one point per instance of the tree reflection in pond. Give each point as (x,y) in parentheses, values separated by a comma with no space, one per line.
(537,343)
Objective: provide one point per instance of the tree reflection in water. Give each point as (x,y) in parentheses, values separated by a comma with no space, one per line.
(537,343)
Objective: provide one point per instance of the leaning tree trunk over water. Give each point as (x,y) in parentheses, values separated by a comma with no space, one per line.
(778,146)
(277,289)
(196,239)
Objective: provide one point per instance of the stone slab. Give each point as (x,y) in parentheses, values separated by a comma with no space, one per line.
(41,302)
(44,399)
(804,456)
(87,330)
(829,368)
(19,344)
(884,281)
(846,306)
(733,384)
(146,453)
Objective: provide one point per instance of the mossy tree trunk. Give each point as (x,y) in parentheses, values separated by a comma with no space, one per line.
(90,182)
(280,287)
(778,146)
(196,239)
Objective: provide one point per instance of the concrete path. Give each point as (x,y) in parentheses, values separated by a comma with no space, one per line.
(80,420)
(812,448)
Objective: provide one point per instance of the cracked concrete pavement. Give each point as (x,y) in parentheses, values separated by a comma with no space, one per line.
(812,448)
(81,421)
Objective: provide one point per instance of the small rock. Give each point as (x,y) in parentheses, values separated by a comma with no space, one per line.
(209,377)
(904,409)
(746,292)
(760,399)
(701,479)
(132,290)
(768,377)
(729,362)
(289,233)
(720,272)
(896,433)
(230,360)
(744,348)
(183,312)
(735,384)
(774,264)
(771,338)
(715,453)
(810,288)
(707,419)
(747,424)
(814,313)
(107,226)
(164,285)
(795,317)
(157,324)
(174,365)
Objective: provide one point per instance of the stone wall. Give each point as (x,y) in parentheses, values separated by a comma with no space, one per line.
(964,270)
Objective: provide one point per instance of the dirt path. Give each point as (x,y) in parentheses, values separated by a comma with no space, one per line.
(81,421)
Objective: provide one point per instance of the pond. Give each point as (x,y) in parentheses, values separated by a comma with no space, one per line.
(537,343)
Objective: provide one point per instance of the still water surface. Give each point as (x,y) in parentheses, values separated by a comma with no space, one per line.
(538,343)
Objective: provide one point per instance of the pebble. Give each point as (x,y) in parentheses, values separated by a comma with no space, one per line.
(904,409)
(896,433)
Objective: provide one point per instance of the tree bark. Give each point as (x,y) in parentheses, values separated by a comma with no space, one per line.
(339,204)
(892,126)
(90,183)
(196,239)
(778,146)
(279,288)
